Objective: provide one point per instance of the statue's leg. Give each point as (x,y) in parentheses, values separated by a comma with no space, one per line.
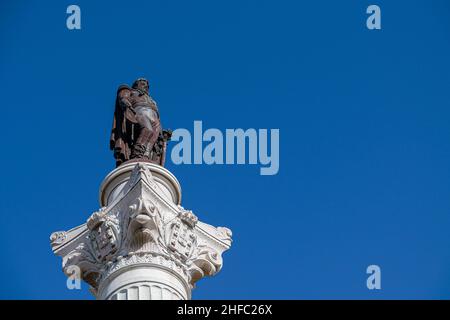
(155,133)
(146,133)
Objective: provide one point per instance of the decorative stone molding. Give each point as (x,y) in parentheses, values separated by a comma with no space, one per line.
(142,243)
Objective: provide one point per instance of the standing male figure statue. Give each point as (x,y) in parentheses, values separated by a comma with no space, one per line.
(137,132)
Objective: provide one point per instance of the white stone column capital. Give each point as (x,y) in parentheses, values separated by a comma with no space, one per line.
(141,243)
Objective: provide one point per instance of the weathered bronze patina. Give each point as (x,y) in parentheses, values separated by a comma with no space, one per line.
(137,134)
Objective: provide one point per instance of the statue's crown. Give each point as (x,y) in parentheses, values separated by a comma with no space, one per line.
(137,80)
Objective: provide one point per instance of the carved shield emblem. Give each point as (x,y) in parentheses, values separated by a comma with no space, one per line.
(182,240)
(104,241)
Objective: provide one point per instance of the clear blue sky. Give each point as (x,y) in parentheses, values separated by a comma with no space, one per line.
(364,137)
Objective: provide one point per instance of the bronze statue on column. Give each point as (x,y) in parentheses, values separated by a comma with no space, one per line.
(137,133)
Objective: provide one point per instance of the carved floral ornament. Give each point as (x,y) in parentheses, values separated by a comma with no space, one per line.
(58,237)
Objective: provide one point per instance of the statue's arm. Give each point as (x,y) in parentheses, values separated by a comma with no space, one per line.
(124,98)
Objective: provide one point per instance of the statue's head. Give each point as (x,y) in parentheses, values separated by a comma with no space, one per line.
(141,84)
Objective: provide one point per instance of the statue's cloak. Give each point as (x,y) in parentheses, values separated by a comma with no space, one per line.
(122,130)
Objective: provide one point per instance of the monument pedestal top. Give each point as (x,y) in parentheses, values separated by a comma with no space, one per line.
(116,180)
